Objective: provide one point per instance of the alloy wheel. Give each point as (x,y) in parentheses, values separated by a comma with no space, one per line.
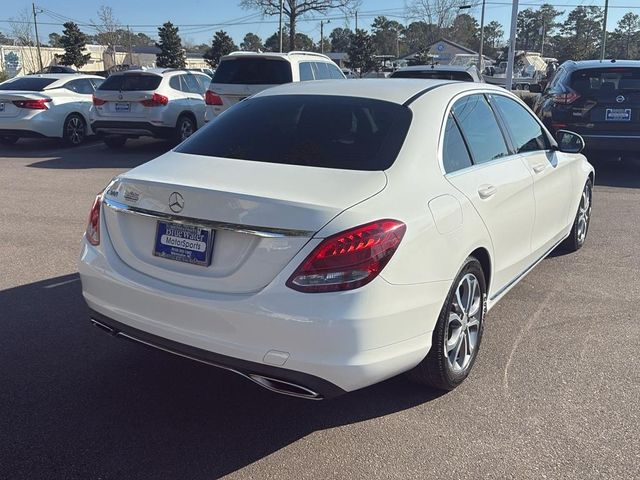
(186,129)
(463,323)
(75,130)
(584,213)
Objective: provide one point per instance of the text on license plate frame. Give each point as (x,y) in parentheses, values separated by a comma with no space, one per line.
(123,107)
(617,115)
(172,240)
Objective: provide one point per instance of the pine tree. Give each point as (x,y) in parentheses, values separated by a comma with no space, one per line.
(73,41)
(222,44)
(361,52)
(171,53)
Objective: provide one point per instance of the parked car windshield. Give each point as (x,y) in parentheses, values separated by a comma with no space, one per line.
(31,84)
(129,82)
(312,130)
(601,80)
(253,71)
(434,74)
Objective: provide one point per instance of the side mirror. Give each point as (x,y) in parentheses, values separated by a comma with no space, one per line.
(569,142)
(535,88)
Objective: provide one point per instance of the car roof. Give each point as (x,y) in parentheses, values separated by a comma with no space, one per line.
(61,76)
(610,63)
(286,56)
(396,90)
(448,68)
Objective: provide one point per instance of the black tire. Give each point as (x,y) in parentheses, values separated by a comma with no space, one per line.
(114,141)
(437,368)
(74,130)
(185,127)
(9,140)
(580,226)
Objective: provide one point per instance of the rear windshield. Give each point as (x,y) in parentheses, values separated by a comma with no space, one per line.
(130,83)
(602,80)
(31,84)
(253,71)
(434,74)
(313,130)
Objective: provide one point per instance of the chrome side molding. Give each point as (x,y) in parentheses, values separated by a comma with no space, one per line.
(265,232)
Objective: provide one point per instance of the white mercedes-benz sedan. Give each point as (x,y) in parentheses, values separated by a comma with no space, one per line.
(52,105)
(320,237)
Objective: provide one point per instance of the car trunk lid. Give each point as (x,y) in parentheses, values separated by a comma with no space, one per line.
(258,215)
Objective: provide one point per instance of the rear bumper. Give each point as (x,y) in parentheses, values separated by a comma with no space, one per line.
(35,124)
(349,340)
(8,132)
(618,143)
(130,129)
(312,387)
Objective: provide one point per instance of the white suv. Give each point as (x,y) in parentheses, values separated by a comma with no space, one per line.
(242,74)
(161,103)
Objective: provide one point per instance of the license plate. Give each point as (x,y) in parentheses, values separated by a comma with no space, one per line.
(123,107)
(618,115)
(184,243)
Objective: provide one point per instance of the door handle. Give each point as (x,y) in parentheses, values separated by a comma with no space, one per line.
(485,191)
(539,167)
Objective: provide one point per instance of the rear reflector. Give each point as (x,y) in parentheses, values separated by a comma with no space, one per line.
(212,98)
(156,100)
(93,226)
(98,101)
(40,104)
(349,259)
(566,98)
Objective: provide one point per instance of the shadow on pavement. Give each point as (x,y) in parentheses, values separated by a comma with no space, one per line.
(611,173)
(77,403)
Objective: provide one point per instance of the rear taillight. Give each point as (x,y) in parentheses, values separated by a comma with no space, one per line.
(93,226)
(156,100)
(212,98)
(40,104)
(98,101)
(565,98)
(349,259)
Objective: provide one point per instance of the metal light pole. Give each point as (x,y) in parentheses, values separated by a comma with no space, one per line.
(512,45)
(480,55)
(35,23)
(281,11)
(604,30)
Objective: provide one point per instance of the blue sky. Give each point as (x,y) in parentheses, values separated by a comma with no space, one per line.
(145,15)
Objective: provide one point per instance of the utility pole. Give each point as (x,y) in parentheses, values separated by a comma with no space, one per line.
(512,45)
(281,11)
(604,30)
(543,34)
(480,54)
(130,50)
(322,22)
(35,24)
(356,22)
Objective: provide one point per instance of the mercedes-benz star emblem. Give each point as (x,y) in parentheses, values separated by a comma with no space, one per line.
(620,98)
(176,202)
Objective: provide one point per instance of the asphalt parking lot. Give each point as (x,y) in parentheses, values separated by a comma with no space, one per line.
(554,394)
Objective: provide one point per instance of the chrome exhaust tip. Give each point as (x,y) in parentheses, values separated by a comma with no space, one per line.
(285,388)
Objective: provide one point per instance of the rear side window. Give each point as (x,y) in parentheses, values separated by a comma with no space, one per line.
(131,83)
(306,73)
(526,132)
(31,84)
(83,86)
(602,80)
(253,71)
(455,155)
(189,81)
(335,72)
(174,82)
(312,130)
(434,74)
(322,71)
(480,128)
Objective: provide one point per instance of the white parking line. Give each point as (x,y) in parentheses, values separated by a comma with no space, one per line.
(59,284)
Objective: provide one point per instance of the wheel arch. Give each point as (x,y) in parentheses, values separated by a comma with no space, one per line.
(482,255)
(190,114)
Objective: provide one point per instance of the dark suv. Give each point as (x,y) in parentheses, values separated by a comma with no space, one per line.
(598,100)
